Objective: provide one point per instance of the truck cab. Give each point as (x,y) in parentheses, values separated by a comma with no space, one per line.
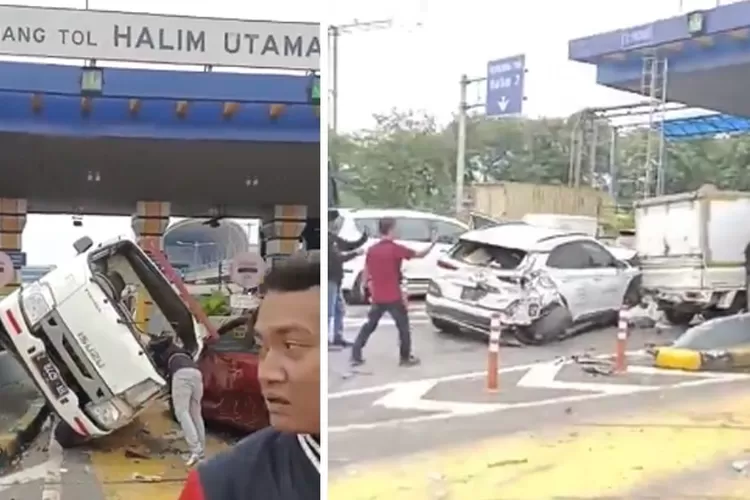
(75,333)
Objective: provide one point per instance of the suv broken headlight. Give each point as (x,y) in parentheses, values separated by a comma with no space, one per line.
(37,302)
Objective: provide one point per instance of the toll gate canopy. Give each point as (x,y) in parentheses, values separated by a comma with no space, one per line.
(700,58)
(705,126)
(98,139)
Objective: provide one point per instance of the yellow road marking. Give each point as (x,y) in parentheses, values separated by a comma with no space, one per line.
(611,458)
(152,436)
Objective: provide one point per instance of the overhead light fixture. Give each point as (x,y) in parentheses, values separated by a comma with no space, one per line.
(92,80)
(313,89)
(696,23)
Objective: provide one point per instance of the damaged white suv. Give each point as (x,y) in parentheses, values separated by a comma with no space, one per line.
(74,332)
(545,284)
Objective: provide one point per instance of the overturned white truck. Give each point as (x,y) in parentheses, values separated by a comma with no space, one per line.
(74,333)
(691,249)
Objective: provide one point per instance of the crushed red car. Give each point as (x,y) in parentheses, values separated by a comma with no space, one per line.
(229,365)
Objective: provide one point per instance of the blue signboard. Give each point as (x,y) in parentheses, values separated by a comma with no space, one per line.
(18,259)
(505,79)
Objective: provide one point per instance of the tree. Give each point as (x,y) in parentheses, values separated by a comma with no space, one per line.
(405,161)
(408,160)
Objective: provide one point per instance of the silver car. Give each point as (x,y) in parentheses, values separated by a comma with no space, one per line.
(544,284)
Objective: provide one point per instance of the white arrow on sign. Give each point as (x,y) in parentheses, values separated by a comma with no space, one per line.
(503,103)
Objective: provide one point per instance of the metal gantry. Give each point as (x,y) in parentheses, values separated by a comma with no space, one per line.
(654,87)
(594,143)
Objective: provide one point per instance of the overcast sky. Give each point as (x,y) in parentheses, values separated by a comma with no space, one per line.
(415,64)
(48,239)
(410,66)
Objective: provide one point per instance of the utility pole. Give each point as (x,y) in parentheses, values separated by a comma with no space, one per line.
(334,33)
(463,108)
(463,111)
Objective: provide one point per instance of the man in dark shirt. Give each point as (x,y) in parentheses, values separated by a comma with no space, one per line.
(383,269)
(281,462)
(339,251)
(186,382)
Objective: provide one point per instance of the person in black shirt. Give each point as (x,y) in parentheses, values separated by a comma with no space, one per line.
(339,251)
(186,382)
(281,462)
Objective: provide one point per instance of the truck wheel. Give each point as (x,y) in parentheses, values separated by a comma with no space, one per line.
(549,327)
(358,295)
(67,437)
(679,318)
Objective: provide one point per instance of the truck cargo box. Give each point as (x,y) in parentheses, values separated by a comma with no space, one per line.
(693,240)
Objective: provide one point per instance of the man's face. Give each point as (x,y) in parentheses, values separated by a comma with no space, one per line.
(289,371)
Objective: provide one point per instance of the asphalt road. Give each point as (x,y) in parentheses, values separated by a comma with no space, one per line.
(433,431)
(144,460)
(17,392)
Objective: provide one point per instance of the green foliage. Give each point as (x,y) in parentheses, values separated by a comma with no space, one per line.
(408,160)
(216,304)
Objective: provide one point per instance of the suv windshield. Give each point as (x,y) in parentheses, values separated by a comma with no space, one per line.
(484,254)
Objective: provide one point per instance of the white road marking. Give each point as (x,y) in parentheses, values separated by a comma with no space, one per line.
(53,480)
(358,322)
(396,422)
(35,473)
(444,378)
(409,395)
(417,316)
(543,376)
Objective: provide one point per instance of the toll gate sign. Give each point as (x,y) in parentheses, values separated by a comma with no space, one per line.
(150,38)
(247,270)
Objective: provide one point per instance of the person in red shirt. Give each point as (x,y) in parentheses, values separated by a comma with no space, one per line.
(383,272)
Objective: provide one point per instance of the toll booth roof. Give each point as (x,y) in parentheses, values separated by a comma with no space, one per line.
(197,139)
(707,54)
(705,126)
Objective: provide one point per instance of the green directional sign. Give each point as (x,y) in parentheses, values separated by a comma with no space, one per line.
(314,90)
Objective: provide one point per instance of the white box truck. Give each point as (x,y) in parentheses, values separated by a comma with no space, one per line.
(74,332)
(691,248)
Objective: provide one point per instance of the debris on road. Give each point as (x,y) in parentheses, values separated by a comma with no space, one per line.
(642,317)
(505,463)
(594,366)
(146,479)
(741,466)
(132,452)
